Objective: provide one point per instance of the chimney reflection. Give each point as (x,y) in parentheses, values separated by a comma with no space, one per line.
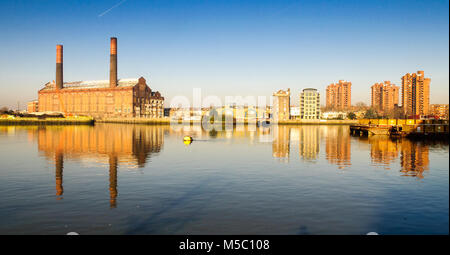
(130,145)
(112,181)
(59,165)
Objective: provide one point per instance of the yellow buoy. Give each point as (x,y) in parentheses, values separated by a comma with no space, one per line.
(187,140)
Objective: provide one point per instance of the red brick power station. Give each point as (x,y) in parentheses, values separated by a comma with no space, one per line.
(100,99)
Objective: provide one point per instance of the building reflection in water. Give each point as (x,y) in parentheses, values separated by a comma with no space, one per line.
(309,142)
(414,158)
(414,155)
(239,133)
(383,150)
(337,142)
(132,145)
(281,141)
(129,145)
(337,146)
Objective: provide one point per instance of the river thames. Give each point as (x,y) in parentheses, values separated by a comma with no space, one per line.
(141,179)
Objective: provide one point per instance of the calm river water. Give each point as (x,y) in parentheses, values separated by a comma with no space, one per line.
(138,179)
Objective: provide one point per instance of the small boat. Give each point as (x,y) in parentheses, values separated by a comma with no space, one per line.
(395,132)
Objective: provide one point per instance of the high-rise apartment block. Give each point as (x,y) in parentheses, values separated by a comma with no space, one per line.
(281,105)
(310,104)
(385,96)
(339,95)
(415,93)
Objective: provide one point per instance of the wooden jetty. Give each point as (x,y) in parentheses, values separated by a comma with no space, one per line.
(401,128)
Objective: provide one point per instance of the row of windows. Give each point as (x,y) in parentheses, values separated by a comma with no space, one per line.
(151,102)
(315,94)
(126,110)
(309,117)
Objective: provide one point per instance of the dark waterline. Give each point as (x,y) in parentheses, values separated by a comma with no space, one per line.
(138,179)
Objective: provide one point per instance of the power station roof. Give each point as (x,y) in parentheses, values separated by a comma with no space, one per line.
(94,84)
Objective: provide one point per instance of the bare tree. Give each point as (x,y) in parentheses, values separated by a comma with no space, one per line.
(4,109)
(395,113)
(371,113)
(360,106)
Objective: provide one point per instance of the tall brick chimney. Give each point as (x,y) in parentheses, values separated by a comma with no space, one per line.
(113,64)
(59,66)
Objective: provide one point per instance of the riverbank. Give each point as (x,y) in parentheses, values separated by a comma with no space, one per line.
(11,120)
(166,121)
(318,122)
(149,121)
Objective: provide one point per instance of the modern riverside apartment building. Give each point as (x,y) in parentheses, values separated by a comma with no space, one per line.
(416,93)
(310,104)
(281,105)
(339,95)
(104,98)
(385,96)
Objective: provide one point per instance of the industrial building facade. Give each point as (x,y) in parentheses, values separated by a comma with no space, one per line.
(385,96)
(100,99)
(339,95)
(32,106)
(416,93)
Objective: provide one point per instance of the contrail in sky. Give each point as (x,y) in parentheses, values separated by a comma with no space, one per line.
(116,5)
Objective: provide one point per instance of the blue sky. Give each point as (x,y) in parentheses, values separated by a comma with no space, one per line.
(225,47)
